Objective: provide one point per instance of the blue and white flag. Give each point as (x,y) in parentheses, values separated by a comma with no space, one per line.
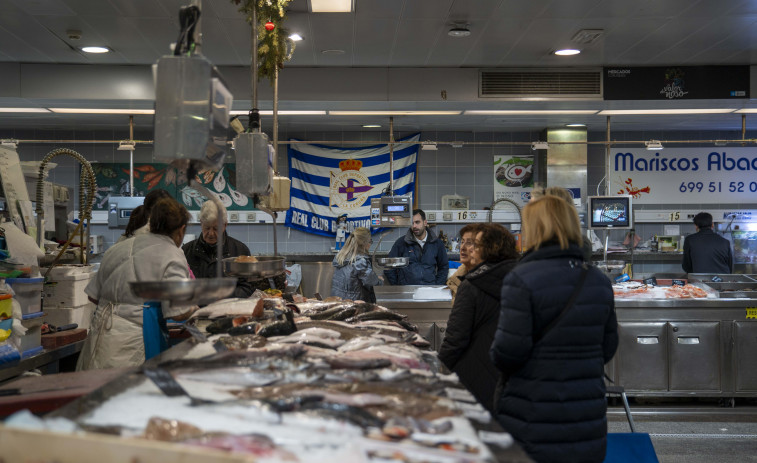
(329,181)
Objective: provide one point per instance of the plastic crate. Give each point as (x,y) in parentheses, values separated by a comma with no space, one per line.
(67,290)
(28,293)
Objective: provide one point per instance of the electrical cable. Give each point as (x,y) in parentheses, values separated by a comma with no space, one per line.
(188,19)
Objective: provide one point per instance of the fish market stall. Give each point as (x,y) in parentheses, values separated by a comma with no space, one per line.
(697,339)
(299,380)
(427,307)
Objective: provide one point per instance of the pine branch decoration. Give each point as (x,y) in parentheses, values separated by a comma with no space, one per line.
(274,47)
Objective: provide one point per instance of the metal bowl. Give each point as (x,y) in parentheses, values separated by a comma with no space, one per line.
(265,267)
(393,262)
(200,291)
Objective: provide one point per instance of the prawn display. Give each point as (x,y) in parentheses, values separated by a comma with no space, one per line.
(636,290)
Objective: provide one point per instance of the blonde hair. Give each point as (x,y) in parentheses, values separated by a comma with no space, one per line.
(560,192)
(550,218)
(358,243)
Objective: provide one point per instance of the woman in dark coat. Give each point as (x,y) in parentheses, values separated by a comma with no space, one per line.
(473,320)
(554,402)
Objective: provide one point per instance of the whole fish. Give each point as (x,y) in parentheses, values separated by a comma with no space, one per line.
(377,315)
(325,314)
(344,314)
(242,342)
(354,415)
(245,329)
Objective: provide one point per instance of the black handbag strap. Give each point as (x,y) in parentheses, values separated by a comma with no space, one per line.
(567,307)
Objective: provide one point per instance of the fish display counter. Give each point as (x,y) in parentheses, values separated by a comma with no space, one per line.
(695,339)
(298,380)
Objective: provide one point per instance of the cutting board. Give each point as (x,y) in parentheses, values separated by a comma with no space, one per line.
(53,340)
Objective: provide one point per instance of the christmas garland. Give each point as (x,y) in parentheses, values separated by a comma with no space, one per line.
(274,45)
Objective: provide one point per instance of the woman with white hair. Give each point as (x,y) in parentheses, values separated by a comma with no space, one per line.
(201,252)
(354,277)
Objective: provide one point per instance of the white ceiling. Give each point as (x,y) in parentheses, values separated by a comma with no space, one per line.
(396,34)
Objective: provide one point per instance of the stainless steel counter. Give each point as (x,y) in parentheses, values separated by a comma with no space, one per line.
(430,316)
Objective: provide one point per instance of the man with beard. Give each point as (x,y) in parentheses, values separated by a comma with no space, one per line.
(426,254)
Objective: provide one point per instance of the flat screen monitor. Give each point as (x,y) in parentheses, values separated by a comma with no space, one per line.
(607,212)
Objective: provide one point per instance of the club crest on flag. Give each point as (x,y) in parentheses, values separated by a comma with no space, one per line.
(349,188)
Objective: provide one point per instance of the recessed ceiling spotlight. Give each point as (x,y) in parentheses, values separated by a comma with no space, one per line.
(96,49)
(567,52)
(296,37)
(371,126)
(575,125)
(459,31)
(332,52)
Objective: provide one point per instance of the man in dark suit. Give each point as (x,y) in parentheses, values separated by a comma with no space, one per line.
(705,251)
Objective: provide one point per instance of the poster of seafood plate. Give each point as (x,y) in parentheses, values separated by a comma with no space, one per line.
(514,178)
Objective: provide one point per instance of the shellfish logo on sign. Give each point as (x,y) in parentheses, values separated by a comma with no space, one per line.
(350,188)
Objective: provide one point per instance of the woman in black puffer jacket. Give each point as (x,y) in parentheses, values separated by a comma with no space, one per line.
(473,320)
(554,402)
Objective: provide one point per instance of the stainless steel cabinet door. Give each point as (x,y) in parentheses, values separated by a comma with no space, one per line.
(642,357)
(695,355)
(428,331)
(745,355)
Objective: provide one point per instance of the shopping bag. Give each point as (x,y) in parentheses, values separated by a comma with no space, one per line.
(630,447)
(154,329)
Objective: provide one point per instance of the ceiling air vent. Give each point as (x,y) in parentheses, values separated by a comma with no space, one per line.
(557,84)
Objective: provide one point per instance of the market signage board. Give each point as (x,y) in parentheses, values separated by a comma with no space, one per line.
(717,175)
(675,83)
(514,178)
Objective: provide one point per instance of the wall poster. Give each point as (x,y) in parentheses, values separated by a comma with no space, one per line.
(514,178)
(717,175)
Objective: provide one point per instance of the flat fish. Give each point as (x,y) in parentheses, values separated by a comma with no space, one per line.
(242,342)
(226,307)
(235,376)
(360,343)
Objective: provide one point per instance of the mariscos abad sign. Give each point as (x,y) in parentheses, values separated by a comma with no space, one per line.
(685,175)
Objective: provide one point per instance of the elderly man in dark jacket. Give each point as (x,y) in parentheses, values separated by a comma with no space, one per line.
(201,253)
(473,320)
(554,401)
(427,255)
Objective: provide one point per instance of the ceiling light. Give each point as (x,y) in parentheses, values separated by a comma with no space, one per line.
(101,111)
(746,111)
(24,110)
(575,125)
(394,113)
(457,144)
(458,32)
(428,146)
(540,145)
(96,49)
(629,112)
(126,145)
(653,145)
(543,112)
(296,37)
(332,52)
(567,52)
(720,142)
(331,6)
(10,143)
(371,126)
(268,112)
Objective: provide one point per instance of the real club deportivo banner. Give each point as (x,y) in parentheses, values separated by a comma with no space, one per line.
(685,175)
(329,181)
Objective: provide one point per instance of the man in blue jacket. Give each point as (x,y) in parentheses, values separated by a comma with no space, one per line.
(427,256)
